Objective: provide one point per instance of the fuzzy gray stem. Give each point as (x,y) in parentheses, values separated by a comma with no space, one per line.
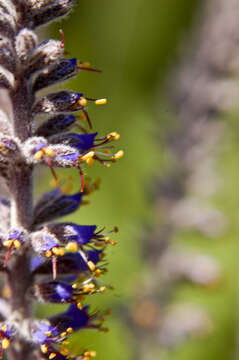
(21,186)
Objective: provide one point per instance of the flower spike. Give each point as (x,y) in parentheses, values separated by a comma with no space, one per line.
(43,260)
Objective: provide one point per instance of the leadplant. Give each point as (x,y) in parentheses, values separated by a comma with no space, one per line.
(42,260)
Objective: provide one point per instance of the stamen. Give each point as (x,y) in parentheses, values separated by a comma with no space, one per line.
(44,348)
(79,306)
(17,243)
(5,343)
(52,356)
(82,101)
(87,118)
(118,155)
(72,246)
(54,267)
(8,255)
(91,265)
(64,351)
(101,101)
(81,179)
(86,66)
(48,152)
(38,155)
(62,38)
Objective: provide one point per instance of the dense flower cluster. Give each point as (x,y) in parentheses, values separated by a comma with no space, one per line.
(43,260)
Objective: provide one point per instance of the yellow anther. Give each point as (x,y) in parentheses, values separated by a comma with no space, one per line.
(88,287)
(5,343)
(102,288)
(84,64)
(65,343)
(90,354)
(75,286)
(58,251)
(87,156)
(64,351)
(52,356)
(101,101)
(72,246)
(4,328)
(48,253)
(113,135)
(82,101)
(3,149)
(118,155)
(8,243)
(90,161)
(79,306)
(44,348)
(63,334)
(97,272)
(113,243)
(108,165)
(6,292)
(91,265)
(38,155)
(107,240)
(69,330)
(48,333)
(48,152)
(17,243)
(61,252)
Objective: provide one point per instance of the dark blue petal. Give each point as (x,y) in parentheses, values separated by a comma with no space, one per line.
(84,233)
(61,71)
(73,317)
(55,125)
(58,205)
(82,142)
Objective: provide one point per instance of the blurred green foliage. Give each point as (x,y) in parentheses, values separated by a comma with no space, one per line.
(135,43)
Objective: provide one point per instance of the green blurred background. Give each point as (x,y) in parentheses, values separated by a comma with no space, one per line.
(136,43)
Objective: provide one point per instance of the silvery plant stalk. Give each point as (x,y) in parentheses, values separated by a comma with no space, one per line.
(43,260)
(202,88)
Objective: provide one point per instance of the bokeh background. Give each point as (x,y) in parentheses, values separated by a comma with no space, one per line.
(139,45)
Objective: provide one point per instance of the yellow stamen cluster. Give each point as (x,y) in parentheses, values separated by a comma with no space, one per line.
(89,354)
(88,158)
(72,246)
(5,343)
(88,287)
(54,251)
(44,151)
(113,136)
(17,243)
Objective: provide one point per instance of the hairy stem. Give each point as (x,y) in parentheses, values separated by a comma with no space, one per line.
(21,187)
